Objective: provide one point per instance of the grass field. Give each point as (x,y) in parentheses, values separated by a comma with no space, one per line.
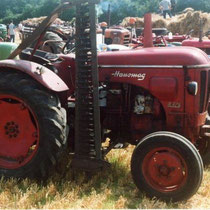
(110,189)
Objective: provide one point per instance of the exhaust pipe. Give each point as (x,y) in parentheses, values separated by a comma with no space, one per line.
(148,41)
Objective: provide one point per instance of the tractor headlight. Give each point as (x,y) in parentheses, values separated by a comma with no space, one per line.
(192,88)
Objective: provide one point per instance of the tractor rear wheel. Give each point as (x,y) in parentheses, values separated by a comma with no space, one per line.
(32,127)
(167,166)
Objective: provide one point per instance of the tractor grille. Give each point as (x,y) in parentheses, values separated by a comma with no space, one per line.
(126,40)
(204,90)
(208,90)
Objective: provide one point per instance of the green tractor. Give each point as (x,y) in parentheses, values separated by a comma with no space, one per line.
(3,32)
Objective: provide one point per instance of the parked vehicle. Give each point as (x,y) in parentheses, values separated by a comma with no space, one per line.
(154,98)
(3,32)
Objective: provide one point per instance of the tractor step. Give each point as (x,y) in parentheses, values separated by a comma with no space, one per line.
(89,165)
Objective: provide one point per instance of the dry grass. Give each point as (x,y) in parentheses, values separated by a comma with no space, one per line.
(111,189)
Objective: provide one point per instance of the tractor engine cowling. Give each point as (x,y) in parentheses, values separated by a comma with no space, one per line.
(146,116)
(129,112)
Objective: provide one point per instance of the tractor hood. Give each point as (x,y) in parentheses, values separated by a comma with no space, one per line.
(182,56)
(196,43)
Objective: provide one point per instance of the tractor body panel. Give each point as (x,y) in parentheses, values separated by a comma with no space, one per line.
(3,31)
(165,73)
(6,48)
(40,73)
(117,36)
(203,45)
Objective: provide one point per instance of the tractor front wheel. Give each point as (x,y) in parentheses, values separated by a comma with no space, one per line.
(167,167)
(32,127)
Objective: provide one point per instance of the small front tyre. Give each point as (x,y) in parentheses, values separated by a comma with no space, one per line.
(166,166)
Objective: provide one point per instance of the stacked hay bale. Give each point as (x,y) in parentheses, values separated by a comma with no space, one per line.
(190,21)
(182,23)
(139,22)
(37,21)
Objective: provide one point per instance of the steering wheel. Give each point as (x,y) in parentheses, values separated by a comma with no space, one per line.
(69,46)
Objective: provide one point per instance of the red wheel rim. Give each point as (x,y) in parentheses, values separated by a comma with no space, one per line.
(164,169)
(19,132)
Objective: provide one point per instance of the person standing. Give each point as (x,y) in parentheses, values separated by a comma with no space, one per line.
(173,7)
(20,28)
(11,32)
(165,6)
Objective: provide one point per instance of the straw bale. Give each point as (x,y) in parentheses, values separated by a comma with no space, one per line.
(181,23)
(126,22)
(189,9)
(174,27)
(161,23)
(36,21)
(139,22)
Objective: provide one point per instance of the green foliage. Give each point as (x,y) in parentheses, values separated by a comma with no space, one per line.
(18,10)
(202,5)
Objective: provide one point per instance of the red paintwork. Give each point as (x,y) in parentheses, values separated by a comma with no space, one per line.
(148,42)
(66,71)
(174,109)
(165,169)
(17,133)
(196,43)
(165,84)
(155,56)
(159,39)
(47,78)
(203,45)
(176,38)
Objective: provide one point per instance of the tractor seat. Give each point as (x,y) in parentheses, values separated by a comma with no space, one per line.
(40,56)
(44,58)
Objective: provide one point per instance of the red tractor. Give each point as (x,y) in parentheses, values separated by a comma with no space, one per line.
(154,98)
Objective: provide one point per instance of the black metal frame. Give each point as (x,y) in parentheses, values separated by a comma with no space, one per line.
(88,153)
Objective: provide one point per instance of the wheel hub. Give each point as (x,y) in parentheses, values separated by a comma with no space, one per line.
(18,126)
(11,129)
(164,169)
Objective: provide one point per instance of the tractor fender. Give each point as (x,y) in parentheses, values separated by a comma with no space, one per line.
(40,73)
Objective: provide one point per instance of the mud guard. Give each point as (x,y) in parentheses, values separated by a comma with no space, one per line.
(40,73)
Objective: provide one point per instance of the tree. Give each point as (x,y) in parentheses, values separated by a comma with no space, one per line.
(22,9)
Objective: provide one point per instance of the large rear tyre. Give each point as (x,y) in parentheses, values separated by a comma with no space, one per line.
(167,167)
(32,127)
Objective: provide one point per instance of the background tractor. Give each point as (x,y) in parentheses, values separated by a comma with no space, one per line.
(3,32)
(154,98)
